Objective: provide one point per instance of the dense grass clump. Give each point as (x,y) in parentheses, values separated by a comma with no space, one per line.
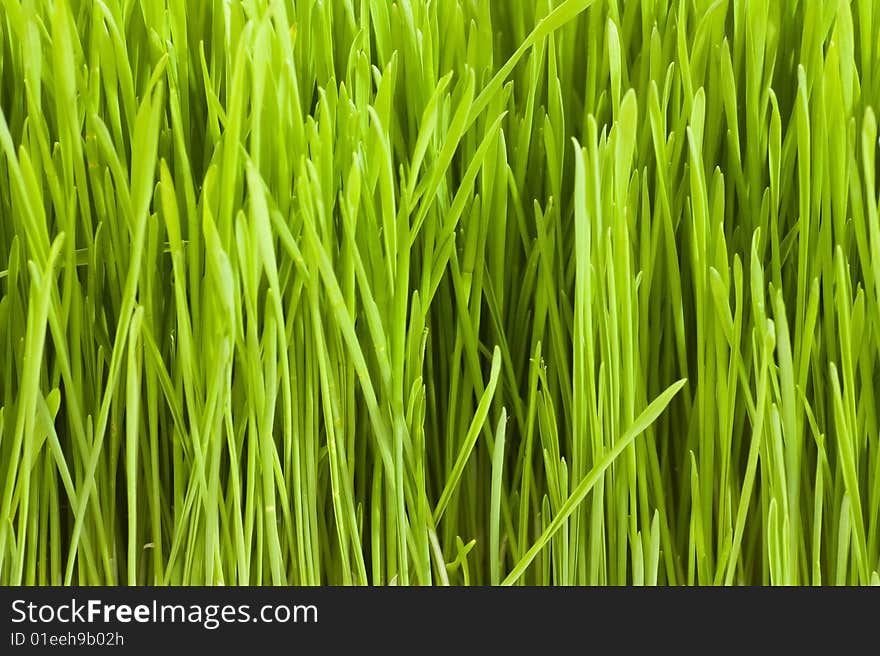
(439,292)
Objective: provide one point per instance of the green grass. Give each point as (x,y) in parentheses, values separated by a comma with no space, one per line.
(439,292)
